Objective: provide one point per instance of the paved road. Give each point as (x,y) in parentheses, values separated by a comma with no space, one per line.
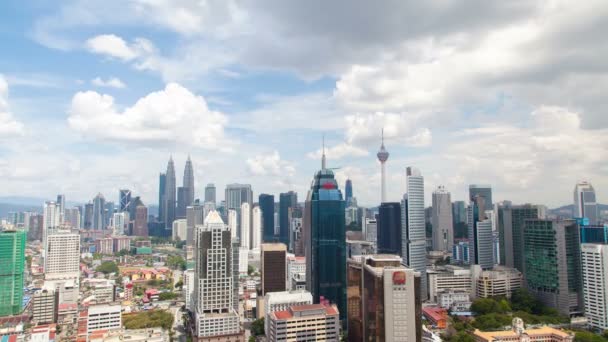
(178,326)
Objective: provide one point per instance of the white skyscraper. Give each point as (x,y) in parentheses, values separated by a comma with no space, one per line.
(371,231)
(62,259)
(256,227)
(594,262)
(180,230)
(443,226)
(382,157)
(119,222)
(214,302)
(584,202)
(233,222)
(413,238)
(245,225)
(51,220)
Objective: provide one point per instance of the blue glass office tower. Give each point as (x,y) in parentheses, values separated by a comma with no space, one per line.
(348,191)
(267,206)
(389,228)
(287,202)
(324,229)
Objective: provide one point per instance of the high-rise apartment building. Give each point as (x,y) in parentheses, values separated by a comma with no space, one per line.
(120,222)
(99,212)
(483,191)
(267,206)
(552,268)
(287,202)
(233,222)
(195,216)
(61,205)
(273,258)
(371,232)
(140,225)
(594,263)
(389,228)
(62,259)
(479,223)
(12,264)
(214,299)
(585,205)
(236,195)
(381,300)
(210,193)
(325,239)
(511,221)
(256,227)
(442,220)
(413,239)
(72,217)
(180,230)
(169,200)
(245,237)
(44,306)
(124,200)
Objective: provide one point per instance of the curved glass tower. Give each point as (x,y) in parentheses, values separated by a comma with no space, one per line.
(325,241)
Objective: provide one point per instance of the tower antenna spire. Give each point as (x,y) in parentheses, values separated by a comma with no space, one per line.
(323,160)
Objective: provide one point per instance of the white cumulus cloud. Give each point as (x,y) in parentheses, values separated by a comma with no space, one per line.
(111,45)
(171,115)
(112,82)
(9,126)
(338,152)
(270,165)
(405,128)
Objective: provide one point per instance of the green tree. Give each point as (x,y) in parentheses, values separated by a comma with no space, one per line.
(257,327)
(167,296)
(176,262)
(107,267)
(250,269)
(179,284)
(148,319)
(586,336)
(484,306)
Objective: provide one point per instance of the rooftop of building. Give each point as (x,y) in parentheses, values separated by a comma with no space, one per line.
(435,313)
(299,310)
(491,335)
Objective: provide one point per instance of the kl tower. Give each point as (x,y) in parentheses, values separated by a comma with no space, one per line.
(383,157)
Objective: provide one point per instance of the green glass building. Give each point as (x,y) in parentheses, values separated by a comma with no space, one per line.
(552,260)
(12,263)
(511,220)
(324,229)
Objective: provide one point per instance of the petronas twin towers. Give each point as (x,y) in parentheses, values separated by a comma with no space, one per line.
(173,201)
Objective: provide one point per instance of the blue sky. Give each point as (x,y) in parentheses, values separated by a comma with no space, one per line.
(95,96)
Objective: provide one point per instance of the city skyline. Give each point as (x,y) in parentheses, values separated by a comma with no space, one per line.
(246,117)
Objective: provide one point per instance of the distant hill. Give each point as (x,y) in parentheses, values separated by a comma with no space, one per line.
(6,208)
(568,210)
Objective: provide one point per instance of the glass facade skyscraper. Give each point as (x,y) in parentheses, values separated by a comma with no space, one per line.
(324,229)
(12,263)
(511,220)
(287,202)
(552,258)
(389,228)
(267,205)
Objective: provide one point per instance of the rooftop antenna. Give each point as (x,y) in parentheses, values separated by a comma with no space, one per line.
(323,161)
